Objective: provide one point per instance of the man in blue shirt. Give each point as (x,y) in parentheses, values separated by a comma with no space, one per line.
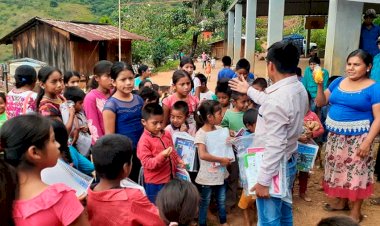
(369,33)
(226,72)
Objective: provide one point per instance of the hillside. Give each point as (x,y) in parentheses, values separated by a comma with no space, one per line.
(13,13)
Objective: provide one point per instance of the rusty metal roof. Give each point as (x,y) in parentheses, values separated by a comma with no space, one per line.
(85,30)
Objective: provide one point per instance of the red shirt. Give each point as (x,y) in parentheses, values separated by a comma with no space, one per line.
(311,116)
(124,206)
(156,166)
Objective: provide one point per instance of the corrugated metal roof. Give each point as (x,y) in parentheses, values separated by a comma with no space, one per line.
(93,32)
(85,30)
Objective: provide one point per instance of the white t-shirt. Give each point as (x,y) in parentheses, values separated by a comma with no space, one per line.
(207,96)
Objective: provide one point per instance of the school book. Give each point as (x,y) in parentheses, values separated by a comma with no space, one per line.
(242,144)
(182,174)
(307,153)
(128,183)
(216,143)
(253,161)
(66,174)
(185,147)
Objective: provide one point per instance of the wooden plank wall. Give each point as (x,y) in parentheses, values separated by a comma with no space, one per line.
(43,43)
(86,54)
(126,51)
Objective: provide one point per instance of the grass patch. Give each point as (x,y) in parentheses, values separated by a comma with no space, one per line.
(168,66)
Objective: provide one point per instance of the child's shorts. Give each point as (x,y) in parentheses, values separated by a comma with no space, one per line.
(245,201)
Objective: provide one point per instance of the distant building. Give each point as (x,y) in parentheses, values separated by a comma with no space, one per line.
(70,45)
(218,48)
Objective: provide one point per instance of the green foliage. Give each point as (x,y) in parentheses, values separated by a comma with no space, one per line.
(167,66)
(159,51)
(319,36)
(53,3)
(14,13)
(105,20)
(377,21)
(258,47)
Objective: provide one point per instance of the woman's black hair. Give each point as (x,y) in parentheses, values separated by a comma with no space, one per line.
(2,96)
(186,60)
(118,67)
(21,132)
(43,75)
(68,75)
(25,75)
(142,83)
(8,192)
(178,202)
(62,137)
(100,68)
(206,108)
(143,68)
(364,56)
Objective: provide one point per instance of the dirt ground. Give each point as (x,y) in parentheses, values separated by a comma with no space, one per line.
(305,213)
(164,78)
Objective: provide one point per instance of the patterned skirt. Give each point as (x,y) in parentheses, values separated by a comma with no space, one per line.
(346,174)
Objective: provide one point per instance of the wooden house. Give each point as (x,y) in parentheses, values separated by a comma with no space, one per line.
(70,45)
(219,48)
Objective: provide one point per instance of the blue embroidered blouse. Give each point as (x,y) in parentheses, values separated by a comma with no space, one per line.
(351,112)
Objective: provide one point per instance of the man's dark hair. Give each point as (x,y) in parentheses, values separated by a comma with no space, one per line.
(227,61)
(151,109)
(285,56)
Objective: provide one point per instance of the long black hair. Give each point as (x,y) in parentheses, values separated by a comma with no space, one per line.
(207,107)
(43,75)
(62,137)
(17,135)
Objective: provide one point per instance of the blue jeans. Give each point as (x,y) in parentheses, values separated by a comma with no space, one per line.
(152,191)
(276,211)
(220,196)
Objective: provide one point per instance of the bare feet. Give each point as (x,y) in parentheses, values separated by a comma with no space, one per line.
(305,197)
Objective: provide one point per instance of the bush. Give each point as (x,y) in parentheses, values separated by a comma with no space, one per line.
(168,66)
(53,4)
(159,51)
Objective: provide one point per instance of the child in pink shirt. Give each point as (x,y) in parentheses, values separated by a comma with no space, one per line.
(156,152)
(94,101)
(182,86)
(109,203)
(30,146)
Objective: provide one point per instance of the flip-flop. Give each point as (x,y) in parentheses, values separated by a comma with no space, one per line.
(328,208)
(375,201)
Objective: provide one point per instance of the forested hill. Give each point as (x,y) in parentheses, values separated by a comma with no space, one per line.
(13,13)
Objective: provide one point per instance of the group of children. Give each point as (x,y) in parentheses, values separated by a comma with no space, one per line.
(126,127)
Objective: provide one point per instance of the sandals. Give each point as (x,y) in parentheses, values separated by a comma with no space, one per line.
(329,208)
(375,201)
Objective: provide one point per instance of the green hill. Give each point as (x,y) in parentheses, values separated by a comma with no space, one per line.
(14,13)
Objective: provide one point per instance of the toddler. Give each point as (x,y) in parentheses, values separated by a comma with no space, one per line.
(178,116)
(223,93)
(205,93)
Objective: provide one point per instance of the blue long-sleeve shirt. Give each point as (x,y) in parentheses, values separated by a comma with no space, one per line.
(368,39)
(80,162)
